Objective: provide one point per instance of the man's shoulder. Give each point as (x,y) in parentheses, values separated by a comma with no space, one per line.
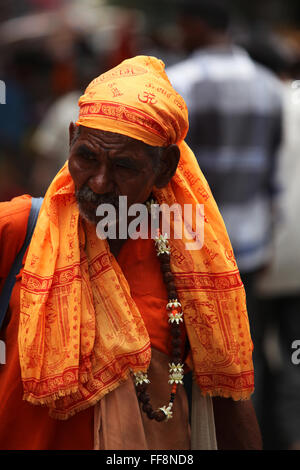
(184,75)
(272,87)
(269,76)
(14,217)
(15,209)
(13,226)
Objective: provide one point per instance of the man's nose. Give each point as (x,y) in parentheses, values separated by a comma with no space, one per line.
(101,182)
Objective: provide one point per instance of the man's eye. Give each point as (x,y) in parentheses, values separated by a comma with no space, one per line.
(87,157)
(125,165)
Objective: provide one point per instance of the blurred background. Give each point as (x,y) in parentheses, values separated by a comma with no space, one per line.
(51,49)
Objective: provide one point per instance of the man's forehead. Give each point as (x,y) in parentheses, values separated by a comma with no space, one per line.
(99,137)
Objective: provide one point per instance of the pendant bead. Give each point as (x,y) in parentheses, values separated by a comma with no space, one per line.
(172,293)
(176,342)
(164,258)
(147,407)
(160,416)
(168,277)
(170,286)
(175,332)
(165,268)
(144,397)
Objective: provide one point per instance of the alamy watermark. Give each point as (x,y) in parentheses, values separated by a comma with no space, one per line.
(296,354)
(2,352)
(296,91)
(174,221)
(2,92)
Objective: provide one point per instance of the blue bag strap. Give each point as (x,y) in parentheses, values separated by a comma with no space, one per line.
(15,269)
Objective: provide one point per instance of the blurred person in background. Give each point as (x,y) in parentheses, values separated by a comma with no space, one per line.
(47,51)
(235,114)
(49,140)
(279,286)
(16,118)
(78,54)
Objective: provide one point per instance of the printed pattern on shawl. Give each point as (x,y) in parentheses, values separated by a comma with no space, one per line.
(80,332)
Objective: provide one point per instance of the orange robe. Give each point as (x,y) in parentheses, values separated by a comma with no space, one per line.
(25,426)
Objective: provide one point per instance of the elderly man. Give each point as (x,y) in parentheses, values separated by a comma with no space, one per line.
(91,321)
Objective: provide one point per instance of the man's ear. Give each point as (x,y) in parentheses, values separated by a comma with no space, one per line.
(72,128)
(168,164)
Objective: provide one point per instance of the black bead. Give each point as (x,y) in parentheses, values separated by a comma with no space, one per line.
(159,416)
(141,387)
(164,258)
(172,294)
(147,407)
(165,267)
(168,277)
(170,287)
(176,352)
(144,397)
(175,332)
(176,342)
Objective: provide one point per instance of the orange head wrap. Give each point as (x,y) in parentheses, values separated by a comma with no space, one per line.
(136,99)
(80,331)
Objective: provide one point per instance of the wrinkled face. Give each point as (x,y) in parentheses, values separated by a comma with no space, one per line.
(105,165)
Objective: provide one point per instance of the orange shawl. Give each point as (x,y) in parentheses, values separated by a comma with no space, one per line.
(81,333)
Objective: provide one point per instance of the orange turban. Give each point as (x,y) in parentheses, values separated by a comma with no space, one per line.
(72,351)
(136,99)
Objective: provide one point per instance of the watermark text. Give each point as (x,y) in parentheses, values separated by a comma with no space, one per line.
(2,352)
(2,92)
(296,91)
(177,222)
(296,354)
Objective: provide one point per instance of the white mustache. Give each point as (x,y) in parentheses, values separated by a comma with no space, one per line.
(85,194)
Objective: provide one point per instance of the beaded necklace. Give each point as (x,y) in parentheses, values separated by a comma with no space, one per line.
(175,315)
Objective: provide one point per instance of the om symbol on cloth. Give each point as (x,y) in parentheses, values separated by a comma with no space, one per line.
(147,97)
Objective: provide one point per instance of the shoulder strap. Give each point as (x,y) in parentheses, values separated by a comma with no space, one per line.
(15,269)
